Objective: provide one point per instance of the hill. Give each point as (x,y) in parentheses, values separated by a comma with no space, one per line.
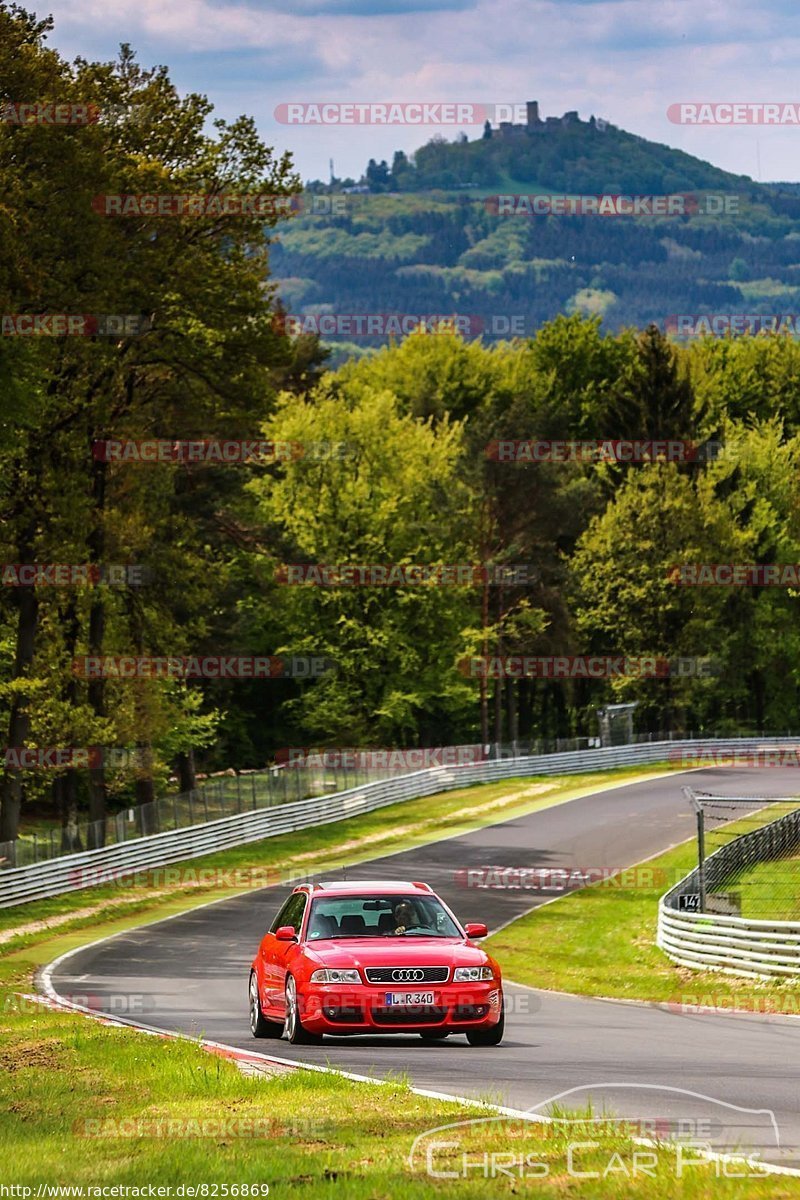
(429,237)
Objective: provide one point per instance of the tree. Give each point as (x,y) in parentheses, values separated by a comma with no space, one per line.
(201,366)
(377,176)
(394,496)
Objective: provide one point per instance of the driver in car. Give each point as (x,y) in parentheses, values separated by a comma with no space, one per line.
(405,916)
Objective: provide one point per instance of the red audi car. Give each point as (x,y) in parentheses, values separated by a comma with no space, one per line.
(349,958)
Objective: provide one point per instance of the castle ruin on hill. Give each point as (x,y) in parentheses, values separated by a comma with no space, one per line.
(535,124)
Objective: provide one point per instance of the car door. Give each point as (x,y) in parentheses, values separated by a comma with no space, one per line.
(268,955)
(273,952)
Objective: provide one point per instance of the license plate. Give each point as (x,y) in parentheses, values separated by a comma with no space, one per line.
(409,998)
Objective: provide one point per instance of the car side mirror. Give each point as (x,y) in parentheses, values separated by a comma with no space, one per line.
(476,929)
(286,933)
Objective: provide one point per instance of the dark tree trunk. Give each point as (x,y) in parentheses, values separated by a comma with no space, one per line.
(19,724)
(65,795)
(499,683)
(499,687)
(145,788)
(525,708)
(484,683)
(511,712)
(185,767)
(96,691)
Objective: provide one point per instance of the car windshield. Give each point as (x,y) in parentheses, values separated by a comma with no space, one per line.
(378,917)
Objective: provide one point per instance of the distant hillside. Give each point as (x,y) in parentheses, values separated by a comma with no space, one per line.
(560,152)
(427,240)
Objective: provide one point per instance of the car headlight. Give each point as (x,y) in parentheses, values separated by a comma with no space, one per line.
(336,975)
(472,974)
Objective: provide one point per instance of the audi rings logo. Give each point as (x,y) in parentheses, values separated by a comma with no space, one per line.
(411,975)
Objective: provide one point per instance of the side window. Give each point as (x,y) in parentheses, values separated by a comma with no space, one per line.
(295,914)
(291,913)
(281,917)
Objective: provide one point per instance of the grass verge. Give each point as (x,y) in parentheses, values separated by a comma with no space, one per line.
(89,1105)
(770,891)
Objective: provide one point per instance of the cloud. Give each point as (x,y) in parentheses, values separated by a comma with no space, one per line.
(619,59)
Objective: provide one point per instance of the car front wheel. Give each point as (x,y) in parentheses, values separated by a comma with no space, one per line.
(293,1027)
(492,1036)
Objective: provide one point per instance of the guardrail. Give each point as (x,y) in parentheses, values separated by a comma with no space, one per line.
(733,945)
(87,868)
(221,795)
(300,777)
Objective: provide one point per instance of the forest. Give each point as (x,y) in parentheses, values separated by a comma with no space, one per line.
(441,565)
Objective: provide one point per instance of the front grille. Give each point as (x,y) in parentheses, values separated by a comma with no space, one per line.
(408,976)
(412,1015)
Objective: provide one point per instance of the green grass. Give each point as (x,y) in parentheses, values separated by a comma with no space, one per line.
(770,890)
(344,843)
(88,1104)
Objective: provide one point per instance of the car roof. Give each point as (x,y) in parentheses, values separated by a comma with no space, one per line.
(357,887)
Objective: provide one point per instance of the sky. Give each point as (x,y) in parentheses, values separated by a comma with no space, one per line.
(624,60)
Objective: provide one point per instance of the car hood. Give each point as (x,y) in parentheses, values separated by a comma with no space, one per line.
(396,952)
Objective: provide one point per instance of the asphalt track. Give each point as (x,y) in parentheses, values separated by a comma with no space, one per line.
(644,1062)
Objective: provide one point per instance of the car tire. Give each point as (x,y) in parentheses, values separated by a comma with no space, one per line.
(293,1026)
(260,1027)
(488,1037)
(434,1036)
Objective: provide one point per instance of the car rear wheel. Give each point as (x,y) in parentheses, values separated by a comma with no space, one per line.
(488,1037)
(433,1035)
(293,1027)
(260,1027)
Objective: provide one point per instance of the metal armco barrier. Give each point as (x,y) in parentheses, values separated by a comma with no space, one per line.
(87,868)
(734,945)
